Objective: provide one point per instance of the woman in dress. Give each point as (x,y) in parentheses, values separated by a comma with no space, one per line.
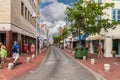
(25,48)
(32,48)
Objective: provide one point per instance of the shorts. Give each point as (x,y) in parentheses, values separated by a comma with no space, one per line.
(15,55)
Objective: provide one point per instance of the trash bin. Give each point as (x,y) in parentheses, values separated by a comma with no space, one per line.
(77,52)
(84,52)
(80,52)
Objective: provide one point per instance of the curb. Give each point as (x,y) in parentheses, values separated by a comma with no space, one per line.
(98,76)
(19,77)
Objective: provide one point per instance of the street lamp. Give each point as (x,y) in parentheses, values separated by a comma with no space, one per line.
(40,44)
(37,35)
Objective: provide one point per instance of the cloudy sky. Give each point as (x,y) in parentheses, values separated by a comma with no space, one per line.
(53,13)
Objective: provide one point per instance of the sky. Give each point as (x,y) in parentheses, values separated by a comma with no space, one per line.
(52,13)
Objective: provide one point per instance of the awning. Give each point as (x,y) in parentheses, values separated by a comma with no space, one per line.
(115,35)
(95,37)
(82,37)
(61,41)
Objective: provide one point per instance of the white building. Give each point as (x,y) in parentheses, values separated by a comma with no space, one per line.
(111,39)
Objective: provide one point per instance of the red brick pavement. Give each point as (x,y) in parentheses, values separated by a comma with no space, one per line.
(23,68)
(113,74)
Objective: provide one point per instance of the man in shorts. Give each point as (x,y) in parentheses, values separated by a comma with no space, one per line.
(15,51)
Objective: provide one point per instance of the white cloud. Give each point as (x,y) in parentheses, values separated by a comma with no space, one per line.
(54,15)
(56,26)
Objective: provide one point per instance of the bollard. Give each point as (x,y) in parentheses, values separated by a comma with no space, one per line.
(84,57)
(28,60)
(92,61)
(10,66)
(107,67)
(33,56)
(73,52)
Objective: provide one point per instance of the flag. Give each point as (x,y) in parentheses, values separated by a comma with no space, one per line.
(43,25)
(47,34)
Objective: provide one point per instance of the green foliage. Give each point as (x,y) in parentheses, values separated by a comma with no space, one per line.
(63,33)
(84,17)
(56,39)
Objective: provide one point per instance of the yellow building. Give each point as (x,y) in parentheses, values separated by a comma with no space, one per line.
(17,21)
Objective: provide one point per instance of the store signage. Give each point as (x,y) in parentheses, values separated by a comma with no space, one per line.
(108,36)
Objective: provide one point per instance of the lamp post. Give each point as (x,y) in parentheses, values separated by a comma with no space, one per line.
(40,45)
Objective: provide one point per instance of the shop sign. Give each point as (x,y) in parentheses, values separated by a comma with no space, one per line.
(108,36)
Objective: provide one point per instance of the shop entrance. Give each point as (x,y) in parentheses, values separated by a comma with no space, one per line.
(3,38)
(116,45)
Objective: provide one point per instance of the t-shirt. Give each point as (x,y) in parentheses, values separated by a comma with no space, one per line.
(15,48)
(3,52)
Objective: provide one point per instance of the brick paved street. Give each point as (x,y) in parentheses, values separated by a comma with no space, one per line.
(23,68)
(113,74)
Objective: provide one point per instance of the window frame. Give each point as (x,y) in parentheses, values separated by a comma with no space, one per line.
(22,8)
(115,15)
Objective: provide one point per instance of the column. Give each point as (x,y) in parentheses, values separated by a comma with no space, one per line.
(119,47)
(9,42)
(20,42)
(108,46)
(91,47)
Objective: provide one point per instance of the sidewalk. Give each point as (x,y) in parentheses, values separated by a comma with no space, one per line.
(113,74)
(23,67)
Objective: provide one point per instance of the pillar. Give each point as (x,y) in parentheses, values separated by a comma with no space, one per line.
(9,42)
(108,46)
(118,47)
(20,42)
(91,47)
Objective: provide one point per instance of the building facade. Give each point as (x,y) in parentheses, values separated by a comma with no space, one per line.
(111,39)
(17,22)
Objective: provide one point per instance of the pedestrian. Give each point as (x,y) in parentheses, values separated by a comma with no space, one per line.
(113,52)
(32,48)
(0,55)
(100,51)
(25,48)
(15,52)
(0,47)
(3,55)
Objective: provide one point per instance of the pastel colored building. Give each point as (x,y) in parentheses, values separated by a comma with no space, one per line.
(17,22)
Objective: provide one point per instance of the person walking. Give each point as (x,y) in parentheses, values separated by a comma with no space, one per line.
(100,51)
(0,55)
(113,52)
(3,55)
(32,48)
(15,51)
(25,48)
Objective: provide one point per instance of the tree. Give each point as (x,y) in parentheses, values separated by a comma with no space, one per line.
(64,33)
(56,39)
(84,16)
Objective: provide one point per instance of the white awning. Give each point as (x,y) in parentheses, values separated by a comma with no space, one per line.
(95,37)
(115,35)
